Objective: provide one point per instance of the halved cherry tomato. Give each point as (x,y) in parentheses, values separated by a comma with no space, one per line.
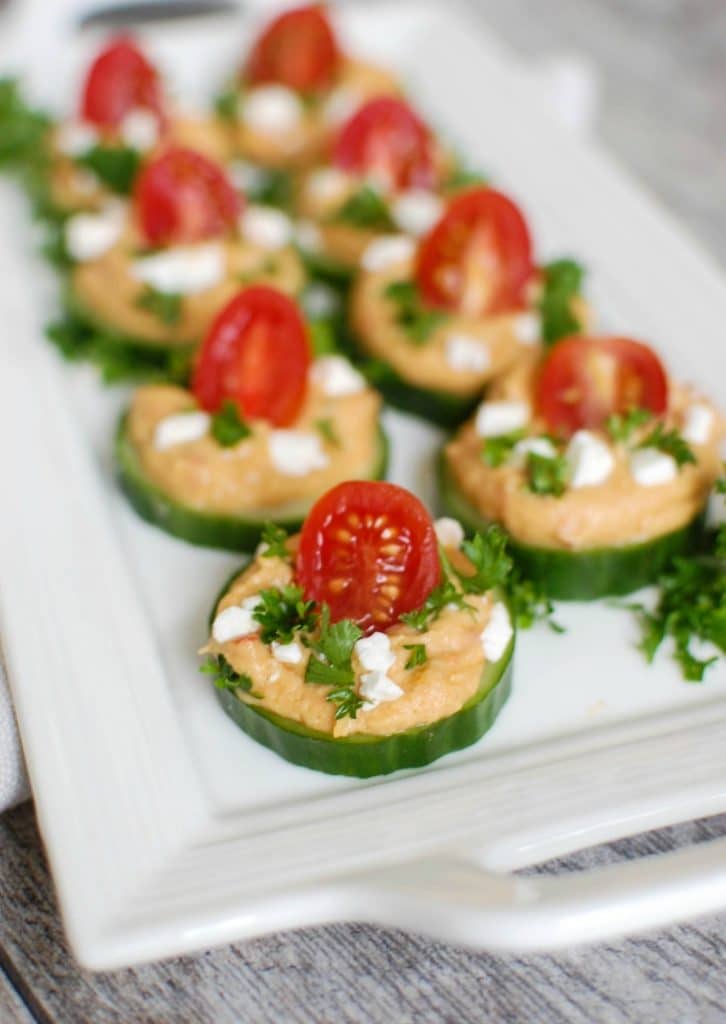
(477,259)
(119,80)
(256,354)
(369,551)
(297,49)
(585,380)
(388,141)
(183,197)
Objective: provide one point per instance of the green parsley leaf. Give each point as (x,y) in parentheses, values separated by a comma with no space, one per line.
(622,427)
(670,442)
(282,612)
(412,315)
(547,474)
(326,429)
(462,177)
(275,540)
(23,130)
(487,552)
(275,188)
(366,208)
(562,281)
(228,427)
(115,166)
(497,450)
(224,676)
(418,655)
(529,603)
(330,663)
(165,306)
(226,104)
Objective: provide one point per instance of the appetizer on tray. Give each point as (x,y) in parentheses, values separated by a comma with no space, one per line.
(262,432)
(595,462)
(296,85)
(365,644)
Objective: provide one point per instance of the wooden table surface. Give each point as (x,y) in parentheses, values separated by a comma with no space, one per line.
(662,65)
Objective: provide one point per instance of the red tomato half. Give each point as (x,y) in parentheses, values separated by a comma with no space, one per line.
(257,354)
(369,551)
(386,139)
(120,79)
(478,259)
(297,49)
(585,380)
(183,197)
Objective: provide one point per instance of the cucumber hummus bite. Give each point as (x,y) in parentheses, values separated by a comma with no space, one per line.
(365,644)
(438,320)
(263,432)
(154,276)
(295,87)
(597,465)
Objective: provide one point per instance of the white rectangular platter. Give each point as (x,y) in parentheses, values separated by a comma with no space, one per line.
(167,829)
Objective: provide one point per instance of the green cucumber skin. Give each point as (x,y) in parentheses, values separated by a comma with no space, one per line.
(365,756)
(580,575)
(213,531)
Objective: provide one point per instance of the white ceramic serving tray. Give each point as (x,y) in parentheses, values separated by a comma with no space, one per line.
(167,829)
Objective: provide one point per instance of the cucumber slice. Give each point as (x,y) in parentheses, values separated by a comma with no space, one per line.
(580,575)
(440,407)
(365,756)
(234,533)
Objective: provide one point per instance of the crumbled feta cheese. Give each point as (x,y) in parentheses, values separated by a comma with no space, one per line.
(246,177)
(90,235)
(376,688)
(496,418)
(590,459)
(140,129)
(697,423)
(416,211)
(296,452)
(271,110)
(320,300)
(266,227)
(374,652)
(341,104)
(386,251)
(327,184)
(288,654)
(74,138)
(527,328)
(336,376)
(449,532)
(307,236)
(236,621)
(183,270)
(466,354)
(649,467)
(497,633)
(534,445)
(180,428)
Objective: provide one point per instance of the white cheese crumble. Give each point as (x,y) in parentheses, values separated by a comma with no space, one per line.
(449,532)
(649,467)
(374,652)
(590,459)
(497,633)
(183,270)
(140,129)
(697,423)
(496,418)
(180,428)
(246,177)
(320,300)
(236,621)
(327,184)
(266,227)
(288,654)
(527,328)
(341,104)
(416,211)
(376,688)
(336,376)
(386,251)
(90,235)
(271,110)
(466,354)
(74,138)
(307,236)
(534,445)
(296,452)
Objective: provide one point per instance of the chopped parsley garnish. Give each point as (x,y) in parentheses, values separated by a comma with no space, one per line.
(282,612)
(487,552)
(418,655)
(23,131)
(446,593)
(274,541)
(547,474)
(462,177)
(326,429)
(224,676)
(330,663)
(496,450)
(115,166)
(226,104)
(670,442)
(529,603)
(621,427)
(228,427)
(366,208)
(275,188)
(165,306)
(562,282)
(412,315)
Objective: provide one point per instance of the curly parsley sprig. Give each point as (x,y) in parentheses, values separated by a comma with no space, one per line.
(417,320)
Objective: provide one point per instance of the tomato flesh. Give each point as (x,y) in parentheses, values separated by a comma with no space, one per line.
(386,141)
(477,259)
(256,354)
(584,380)
(297,49)
(120,80)
(368,550)
(182,197)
